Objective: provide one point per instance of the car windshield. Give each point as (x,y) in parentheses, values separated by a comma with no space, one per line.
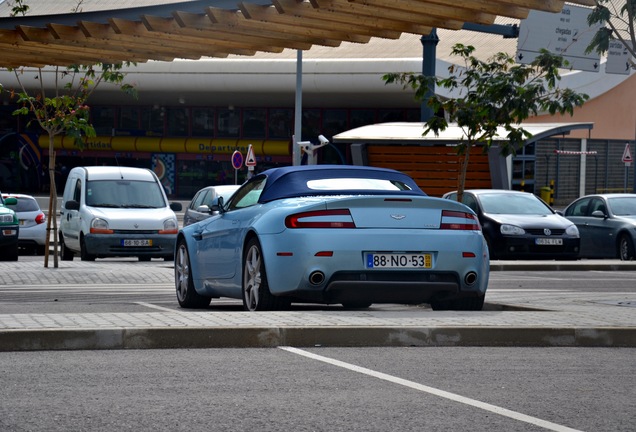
(519,204)
(124,193)
(623,206)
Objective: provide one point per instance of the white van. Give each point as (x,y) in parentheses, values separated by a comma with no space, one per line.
(111,211)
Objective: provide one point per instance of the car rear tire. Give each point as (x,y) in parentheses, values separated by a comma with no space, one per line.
(10,253)
(256,294)
(65,253)
(144,258)
(625,248)
(187,296)
(84,255)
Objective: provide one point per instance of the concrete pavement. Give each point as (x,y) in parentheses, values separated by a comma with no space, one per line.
(510,318)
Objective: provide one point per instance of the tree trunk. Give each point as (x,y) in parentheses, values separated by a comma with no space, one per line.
(52,218)
(463,169)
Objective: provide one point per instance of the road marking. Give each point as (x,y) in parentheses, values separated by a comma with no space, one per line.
(431,390)
(161,308)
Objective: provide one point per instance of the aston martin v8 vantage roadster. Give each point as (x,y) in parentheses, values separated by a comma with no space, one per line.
(333,234)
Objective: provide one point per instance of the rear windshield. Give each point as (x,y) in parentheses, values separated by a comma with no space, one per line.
(348,184)
(124,194)
(24,205)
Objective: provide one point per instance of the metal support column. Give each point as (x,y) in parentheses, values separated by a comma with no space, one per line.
(429,44)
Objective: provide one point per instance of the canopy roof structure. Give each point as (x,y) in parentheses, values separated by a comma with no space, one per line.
(401,133)
(219,28)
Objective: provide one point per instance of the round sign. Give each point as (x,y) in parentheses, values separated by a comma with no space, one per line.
(237,159)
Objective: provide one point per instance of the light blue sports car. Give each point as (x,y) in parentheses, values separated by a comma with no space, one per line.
(333,234)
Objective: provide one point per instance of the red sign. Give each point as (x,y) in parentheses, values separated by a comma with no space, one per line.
(237,159)
(627,154)
(250,160)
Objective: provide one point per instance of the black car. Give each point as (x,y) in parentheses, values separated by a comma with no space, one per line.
(519,225)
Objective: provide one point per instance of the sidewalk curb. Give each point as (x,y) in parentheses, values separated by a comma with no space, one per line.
(269,337)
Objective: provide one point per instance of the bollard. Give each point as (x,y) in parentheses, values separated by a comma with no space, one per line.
(551,193)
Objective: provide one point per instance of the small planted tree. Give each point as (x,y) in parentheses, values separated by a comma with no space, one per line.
(492,96)
(63,111)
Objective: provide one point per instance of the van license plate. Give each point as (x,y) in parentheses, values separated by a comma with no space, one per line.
(399,260)
(136,242)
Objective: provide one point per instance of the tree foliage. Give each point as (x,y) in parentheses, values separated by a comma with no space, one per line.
(492,98)
(617,18)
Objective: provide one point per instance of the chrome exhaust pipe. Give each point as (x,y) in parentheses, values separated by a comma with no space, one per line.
(470,278)
(316,277)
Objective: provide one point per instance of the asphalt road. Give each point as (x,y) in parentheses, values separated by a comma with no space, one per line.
(320,389)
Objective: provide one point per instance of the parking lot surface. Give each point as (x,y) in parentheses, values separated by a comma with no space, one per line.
(510,317)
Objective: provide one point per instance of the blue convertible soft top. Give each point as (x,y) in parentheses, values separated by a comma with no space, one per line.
(291,181)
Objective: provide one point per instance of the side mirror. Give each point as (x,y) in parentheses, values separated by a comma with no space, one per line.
(599,214)
(176,206)
(204,209)
(217,205)
(72,205)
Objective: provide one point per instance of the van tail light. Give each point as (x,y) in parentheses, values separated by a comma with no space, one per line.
(459,220)
(321,219)
(40,219)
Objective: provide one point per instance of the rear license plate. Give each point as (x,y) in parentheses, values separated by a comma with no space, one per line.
(549,241)
(399,260)
(136,242)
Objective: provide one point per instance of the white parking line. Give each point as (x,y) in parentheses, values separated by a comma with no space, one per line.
(161,308)
(441,393)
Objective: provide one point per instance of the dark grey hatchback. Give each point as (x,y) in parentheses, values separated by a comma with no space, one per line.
(519,225)
(607,223)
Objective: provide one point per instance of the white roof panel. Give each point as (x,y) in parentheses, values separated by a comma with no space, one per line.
(413,133)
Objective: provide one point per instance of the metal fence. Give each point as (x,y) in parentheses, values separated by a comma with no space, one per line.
(560,162)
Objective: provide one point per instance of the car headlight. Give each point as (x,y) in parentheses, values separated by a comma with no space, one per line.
(572,230)
(99,224)
(170,226)
(511,230)
(6,218)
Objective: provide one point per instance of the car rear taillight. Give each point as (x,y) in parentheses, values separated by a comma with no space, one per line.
(458,220)
(321,219)
(40,219)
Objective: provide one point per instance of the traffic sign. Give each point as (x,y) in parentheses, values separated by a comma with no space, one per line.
(250,160)
(627,155)
(237,159)
(618,59)
(566,33)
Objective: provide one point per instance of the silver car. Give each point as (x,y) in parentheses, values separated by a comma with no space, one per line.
(201,205)
(32,235)
(607,225)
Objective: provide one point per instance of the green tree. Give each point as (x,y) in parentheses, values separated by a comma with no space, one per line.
(493,97)
(64,112)
(617,18)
